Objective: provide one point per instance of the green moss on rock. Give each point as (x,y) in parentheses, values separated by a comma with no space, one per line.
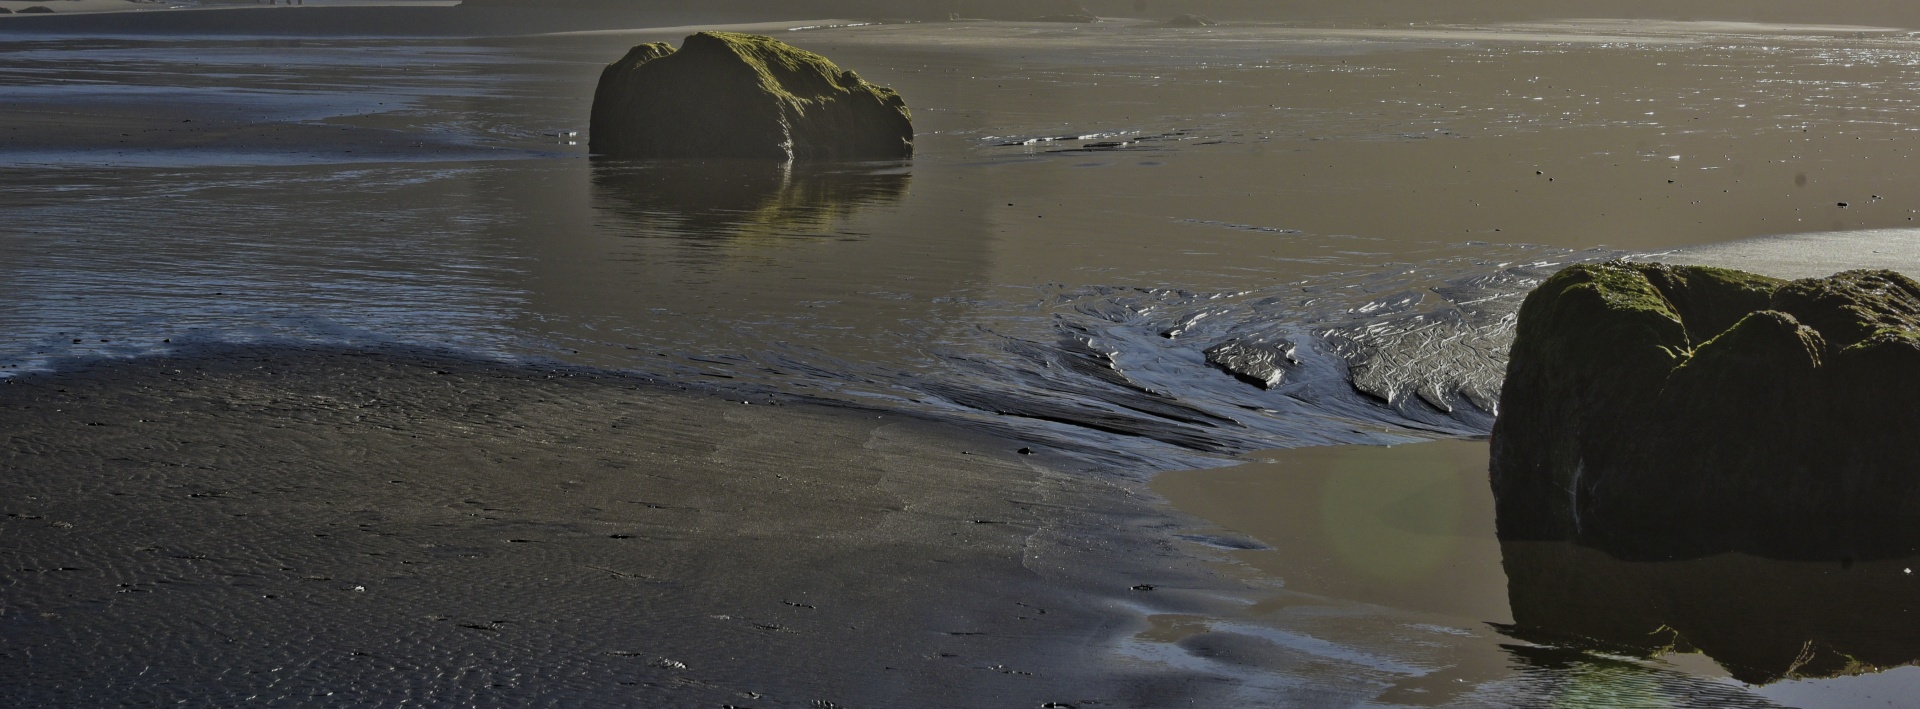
(1851,306)
(728,95)
(1709,300)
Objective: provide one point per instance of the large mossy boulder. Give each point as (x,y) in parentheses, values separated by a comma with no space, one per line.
(1675,411)
(726,95)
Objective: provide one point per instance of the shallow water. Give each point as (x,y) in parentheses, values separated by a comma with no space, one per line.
(1381,563)
(1144,244)
(1143,247)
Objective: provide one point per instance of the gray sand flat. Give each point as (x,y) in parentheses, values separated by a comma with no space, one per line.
(326,528)
(1809,255)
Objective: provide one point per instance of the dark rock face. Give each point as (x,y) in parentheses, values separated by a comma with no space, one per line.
(726,95)
(1673,411)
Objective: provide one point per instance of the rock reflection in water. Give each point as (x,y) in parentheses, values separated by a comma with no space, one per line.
(1762,620)
(743,198)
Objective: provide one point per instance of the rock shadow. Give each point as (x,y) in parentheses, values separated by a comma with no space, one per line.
(743,199)
(1762,620)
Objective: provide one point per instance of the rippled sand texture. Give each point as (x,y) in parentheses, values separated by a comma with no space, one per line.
(371,529)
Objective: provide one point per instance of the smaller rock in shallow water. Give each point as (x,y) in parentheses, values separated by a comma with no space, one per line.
(728,95)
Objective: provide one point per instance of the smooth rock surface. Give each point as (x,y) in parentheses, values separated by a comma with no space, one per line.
(729,95)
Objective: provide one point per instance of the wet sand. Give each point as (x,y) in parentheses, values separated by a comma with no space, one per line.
(798,552)
(333,528)
(1809,255)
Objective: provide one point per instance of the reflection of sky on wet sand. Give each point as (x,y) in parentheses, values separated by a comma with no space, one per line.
(1404,526)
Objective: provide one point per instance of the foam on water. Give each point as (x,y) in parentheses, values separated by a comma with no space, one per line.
(1417,350)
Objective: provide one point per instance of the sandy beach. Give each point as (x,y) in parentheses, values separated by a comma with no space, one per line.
(335,372)
(375,528)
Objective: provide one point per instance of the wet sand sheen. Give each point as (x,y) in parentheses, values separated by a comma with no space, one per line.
(351,529)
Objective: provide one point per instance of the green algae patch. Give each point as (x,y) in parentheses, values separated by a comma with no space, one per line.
(1851,306)
(1673,411)
(730,95)
(1709,300)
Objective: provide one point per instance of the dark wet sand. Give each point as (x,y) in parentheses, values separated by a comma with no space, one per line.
(351,529)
